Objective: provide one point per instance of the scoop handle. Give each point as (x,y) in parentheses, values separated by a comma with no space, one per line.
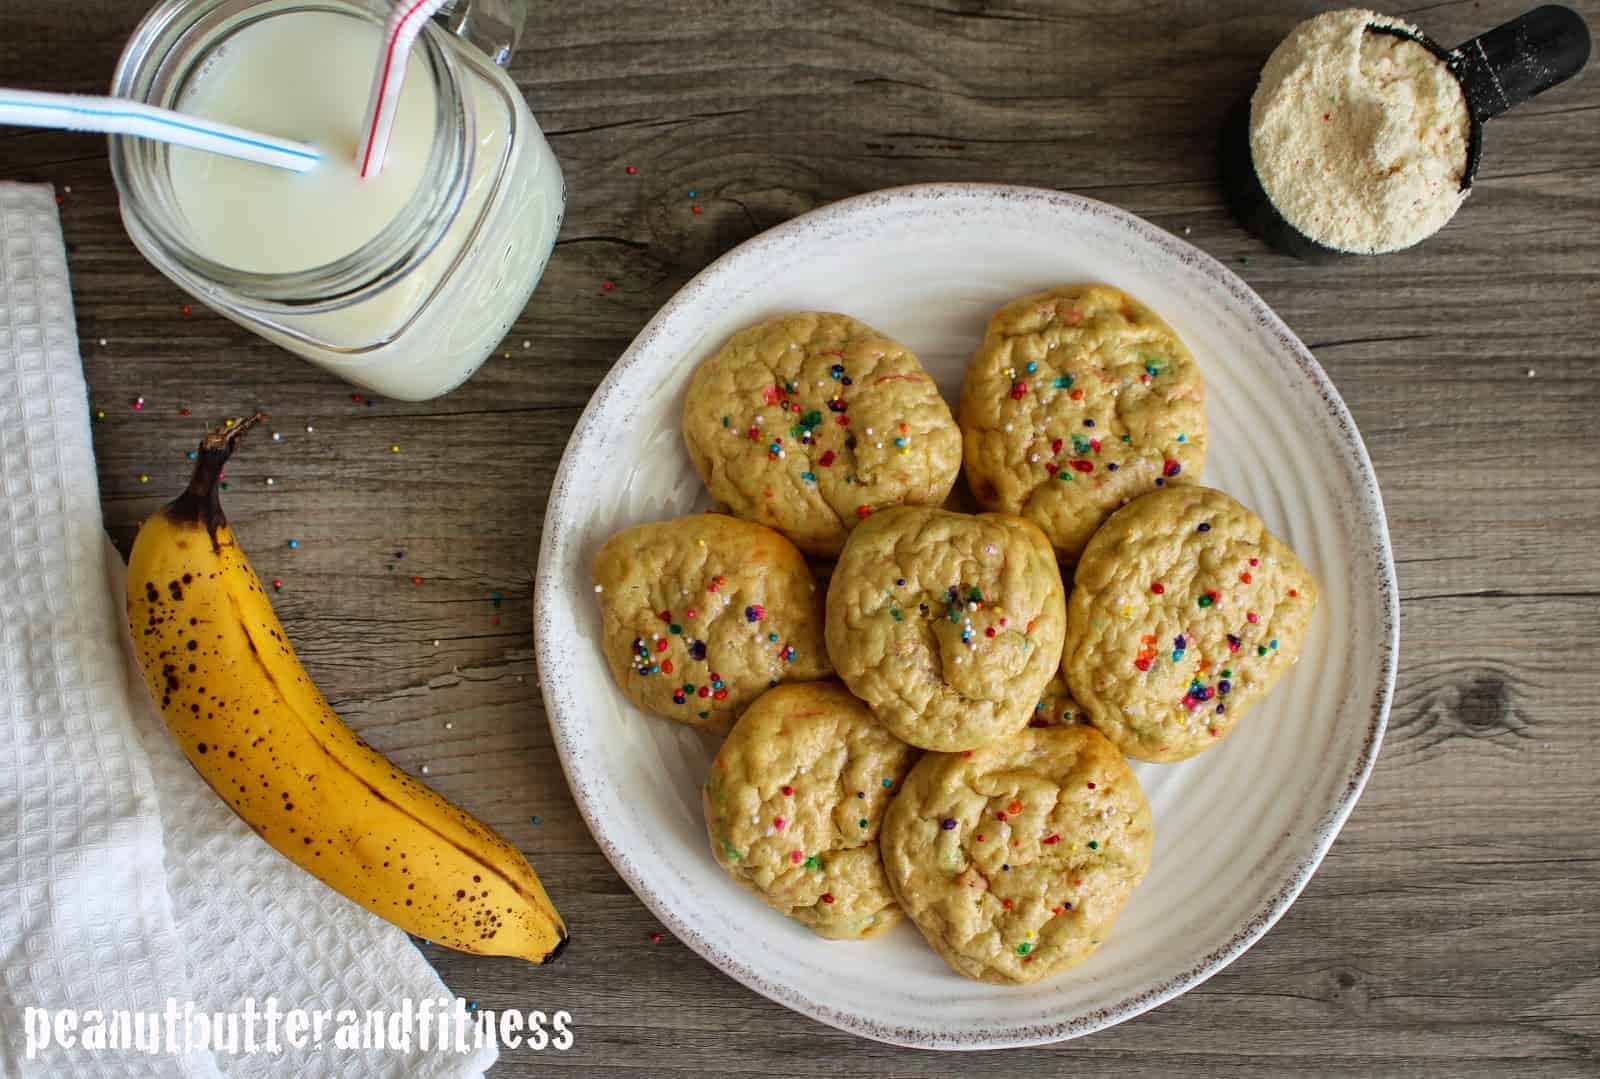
(1516,60)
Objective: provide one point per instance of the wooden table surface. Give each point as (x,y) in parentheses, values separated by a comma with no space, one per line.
(1455,926)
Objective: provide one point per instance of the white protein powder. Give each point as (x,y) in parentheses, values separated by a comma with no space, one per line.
(1359,139)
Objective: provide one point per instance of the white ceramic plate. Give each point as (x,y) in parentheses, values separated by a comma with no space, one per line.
(1239,830)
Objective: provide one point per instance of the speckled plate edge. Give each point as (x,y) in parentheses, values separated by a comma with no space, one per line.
(560,699)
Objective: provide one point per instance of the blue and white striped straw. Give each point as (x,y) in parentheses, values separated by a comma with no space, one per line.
(119,116)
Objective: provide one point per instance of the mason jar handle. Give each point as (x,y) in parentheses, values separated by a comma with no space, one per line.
(494,26)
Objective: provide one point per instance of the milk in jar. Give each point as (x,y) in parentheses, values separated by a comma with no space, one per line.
(403,282)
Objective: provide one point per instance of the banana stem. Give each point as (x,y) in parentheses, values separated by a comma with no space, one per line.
(202,500)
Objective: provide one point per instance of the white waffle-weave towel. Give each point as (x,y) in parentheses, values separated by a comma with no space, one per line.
(124,881)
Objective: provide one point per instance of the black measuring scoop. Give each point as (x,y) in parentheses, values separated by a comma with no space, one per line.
(1497,70)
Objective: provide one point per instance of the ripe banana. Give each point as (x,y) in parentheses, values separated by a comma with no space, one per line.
(252,723)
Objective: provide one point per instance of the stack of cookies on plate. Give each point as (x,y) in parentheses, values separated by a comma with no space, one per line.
(918,721)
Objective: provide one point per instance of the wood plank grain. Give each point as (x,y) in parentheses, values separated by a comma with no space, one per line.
(1451,930)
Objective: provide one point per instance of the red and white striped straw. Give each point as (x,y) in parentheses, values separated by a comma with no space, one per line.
(406,20)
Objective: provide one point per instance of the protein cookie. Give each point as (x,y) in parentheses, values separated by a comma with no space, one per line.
(1077,400)
(948,625)
(702,614)
(809,422)
(1015,860)
(1185,612)
(794,801)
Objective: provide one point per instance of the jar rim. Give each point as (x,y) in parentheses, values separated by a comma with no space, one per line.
(161,55)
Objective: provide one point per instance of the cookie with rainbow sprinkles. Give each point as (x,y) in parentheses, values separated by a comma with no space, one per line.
(794,801)
(1077,400)
(702,614)
(1185,612)
(1015,860)
(949,625)
(809,422)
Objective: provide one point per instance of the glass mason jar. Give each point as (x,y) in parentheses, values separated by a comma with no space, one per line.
(414,311)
